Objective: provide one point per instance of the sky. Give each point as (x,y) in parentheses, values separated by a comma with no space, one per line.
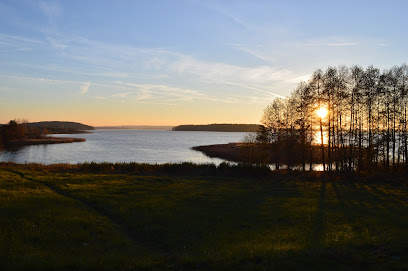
(181,61)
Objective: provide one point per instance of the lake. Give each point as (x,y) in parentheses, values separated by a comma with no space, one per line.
(143,146)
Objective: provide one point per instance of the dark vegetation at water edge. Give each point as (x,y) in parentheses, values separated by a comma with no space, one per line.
(258,153)
(266,153)
(365,128)
(66,220)
(173,169)
(17,134)
(219,128)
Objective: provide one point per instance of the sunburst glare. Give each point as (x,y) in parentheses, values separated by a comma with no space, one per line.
(322,112)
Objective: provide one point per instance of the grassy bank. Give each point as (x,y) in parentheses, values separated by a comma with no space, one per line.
(65,218)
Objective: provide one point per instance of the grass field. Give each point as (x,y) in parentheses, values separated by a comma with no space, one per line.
(299,221)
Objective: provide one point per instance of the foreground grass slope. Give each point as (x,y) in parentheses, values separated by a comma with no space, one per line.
(69,221)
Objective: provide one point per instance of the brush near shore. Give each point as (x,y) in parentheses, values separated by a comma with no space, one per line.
(48,140)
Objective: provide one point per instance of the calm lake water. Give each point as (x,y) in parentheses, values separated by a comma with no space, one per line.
(149,146)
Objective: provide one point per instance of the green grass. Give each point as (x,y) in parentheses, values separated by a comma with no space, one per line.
(299,221)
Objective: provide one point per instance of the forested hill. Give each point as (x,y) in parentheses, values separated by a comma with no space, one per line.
(219,127)
(62,127)
(136,127)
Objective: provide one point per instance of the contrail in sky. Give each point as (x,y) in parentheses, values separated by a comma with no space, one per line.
(257,89)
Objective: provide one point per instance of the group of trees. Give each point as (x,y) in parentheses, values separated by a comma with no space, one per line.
(365,127)
(18,130)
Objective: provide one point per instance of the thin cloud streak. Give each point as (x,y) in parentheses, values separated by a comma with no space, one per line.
(155,60)
(54,68)
(257,89)
(85,87)
(123,95)
(4,37)
(41,79)
(175,94)
(331,44)
(253,52)
(50,9)
(171,65)
(333,41)
(223,12)
(164,90)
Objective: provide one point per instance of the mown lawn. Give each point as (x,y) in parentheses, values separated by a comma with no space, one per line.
(71,221)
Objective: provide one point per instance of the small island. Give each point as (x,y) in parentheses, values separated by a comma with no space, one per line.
(18,134)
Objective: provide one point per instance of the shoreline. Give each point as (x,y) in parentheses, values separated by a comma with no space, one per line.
(70,132)
(42,141)
(231,151)
(260,153)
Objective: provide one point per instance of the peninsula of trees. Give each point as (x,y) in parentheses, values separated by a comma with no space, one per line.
(220,128)
(20,133)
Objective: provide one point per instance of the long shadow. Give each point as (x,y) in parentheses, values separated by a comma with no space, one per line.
(122,227)
(184,225)
(236,217)
(387,202)
(366,201)
(345,205)
(222,211)
(201,220)
(352,201)
(342,190)
(318,222)
(389,197)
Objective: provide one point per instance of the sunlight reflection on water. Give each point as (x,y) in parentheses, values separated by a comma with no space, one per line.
(315,167)
(317,138)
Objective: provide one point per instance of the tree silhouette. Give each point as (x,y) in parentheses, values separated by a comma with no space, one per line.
(366,125)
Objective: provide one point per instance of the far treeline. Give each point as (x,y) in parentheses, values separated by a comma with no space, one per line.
(61,127)
(365,128)
(219,128)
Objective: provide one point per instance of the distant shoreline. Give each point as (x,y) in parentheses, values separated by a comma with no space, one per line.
(223,127)
(134,127)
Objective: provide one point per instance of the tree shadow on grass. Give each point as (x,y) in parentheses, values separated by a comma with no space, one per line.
(390,205)
(392,199)
(318,222)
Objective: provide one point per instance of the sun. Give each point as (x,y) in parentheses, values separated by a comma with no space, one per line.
(322,112)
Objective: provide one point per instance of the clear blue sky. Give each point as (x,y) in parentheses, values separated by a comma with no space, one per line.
(179,62)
